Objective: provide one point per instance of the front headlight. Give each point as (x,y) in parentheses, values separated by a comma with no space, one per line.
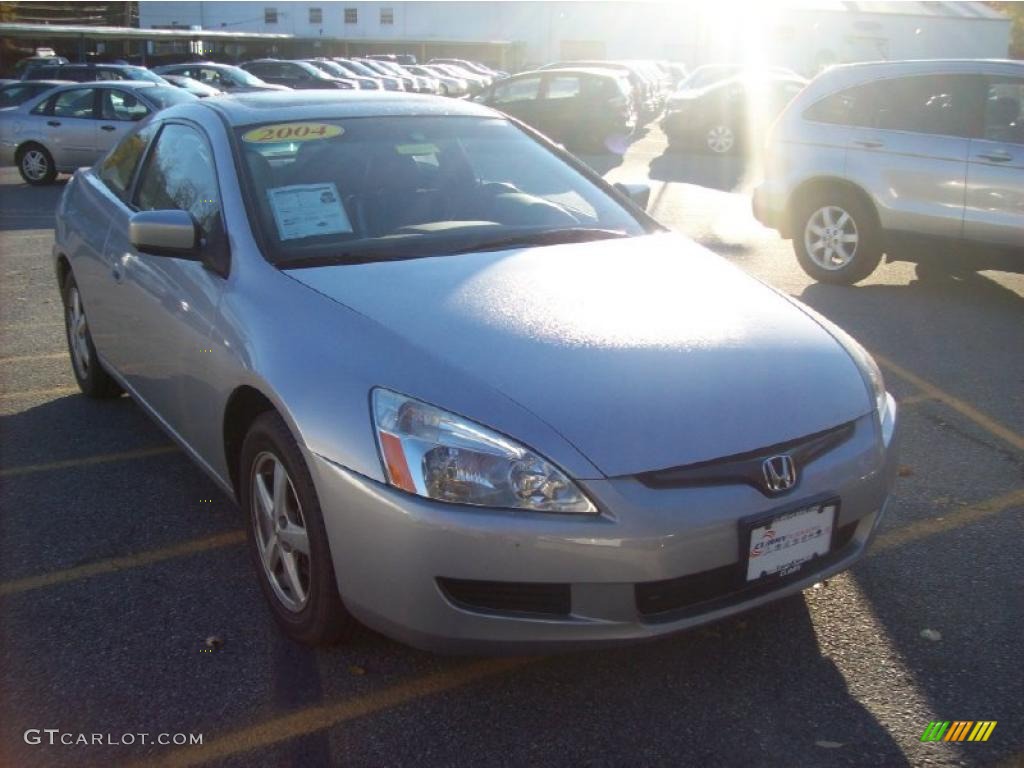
(870,370)
(442,456)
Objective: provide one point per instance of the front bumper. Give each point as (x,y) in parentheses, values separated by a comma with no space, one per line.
(768,206)
(7,152)
(390,548)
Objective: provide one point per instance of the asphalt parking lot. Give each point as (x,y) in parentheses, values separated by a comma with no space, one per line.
(119,559)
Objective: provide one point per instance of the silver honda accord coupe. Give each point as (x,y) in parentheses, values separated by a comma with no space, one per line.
(466,392)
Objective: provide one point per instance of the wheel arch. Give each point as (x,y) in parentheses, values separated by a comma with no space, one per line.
(245,404)
(62,268)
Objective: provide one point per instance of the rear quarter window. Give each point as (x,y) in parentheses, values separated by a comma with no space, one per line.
(854,106)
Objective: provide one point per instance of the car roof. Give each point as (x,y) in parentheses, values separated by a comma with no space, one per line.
(38,82)
(133,84)
(848,75)
(199,64)
(614,73)
(291,106)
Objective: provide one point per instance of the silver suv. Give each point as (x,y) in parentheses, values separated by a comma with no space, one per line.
(910,159)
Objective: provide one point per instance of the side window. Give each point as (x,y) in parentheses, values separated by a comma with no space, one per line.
(78,102)
(1004,110)
(563,87)
(523,89)
(78,74)
(121,105)
(936,104)
(179,174)
(208,76)
(854,106)
(117,168)
(45,107)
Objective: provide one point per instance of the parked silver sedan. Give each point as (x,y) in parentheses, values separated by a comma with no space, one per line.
(465,391)
(75,125)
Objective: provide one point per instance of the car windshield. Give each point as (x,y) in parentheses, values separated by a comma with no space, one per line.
(16,93)
(141,73)
(708,74)
(360,68)
(370,189)
(240,76)
(314,71)
(164,96)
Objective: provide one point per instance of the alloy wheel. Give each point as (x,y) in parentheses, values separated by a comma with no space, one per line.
(78,334)
(35,165)
(280,532)
(831,237)
(720,139)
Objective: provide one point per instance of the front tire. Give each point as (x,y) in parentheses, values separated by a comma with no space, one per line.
(287,539)
(92,379)
(36,166)
(836,238)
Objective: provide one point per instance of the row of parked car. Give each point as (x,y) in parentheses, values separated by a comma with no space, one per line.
(60,116)
(442,76)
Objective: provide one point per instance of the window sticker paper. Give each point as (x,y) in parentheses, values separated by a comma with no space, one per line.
(308,210)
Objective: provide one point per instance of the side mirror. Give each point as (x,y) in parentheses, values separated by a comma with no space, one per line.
(165,233)
(640,194)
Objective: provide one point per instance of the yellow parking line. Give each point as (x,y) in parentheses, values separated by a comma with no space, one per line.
(38,392)
(956,518)
(317,718)
(915,399)
(965,409)
(226,539)
(29,358)
(102,458)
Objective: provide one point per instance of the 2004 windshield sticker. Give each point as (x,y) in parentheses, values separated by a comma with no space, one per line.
(272,134)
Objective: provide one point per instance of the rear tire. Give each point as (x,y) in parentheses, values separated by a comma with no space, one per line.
(36,166)
(287,539)
(721,139)
(92,378)
(836,237)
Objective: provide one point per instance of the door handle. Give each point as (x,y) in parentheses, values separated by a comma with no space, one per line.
(107,128)
(54,123)
(868,143)
(996,157)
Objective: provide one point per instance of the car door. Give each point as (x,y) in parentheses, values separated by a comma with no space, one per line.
(519,98)
(106,195)
(911,154)
(560,109)
(67,126)
(166,306)
(119,110)
(995,168)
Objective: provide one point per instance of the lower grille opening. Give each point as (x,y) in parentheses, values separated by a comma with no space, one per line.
(508,596)
(720,587)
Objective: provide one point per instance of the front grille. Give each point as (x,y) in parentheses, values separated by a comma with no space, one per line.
(747,468)
(674,599)
(508,596)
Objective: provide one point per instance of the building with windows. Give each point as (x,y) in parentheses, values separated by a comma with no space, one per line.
(804,35)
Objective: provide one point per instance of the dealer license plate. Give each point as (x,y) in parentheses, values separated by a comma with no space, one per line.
(783,544)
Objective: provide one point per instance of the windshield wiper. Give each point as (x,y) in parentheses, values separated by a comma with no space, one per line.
(363,257)
(414,248)
(543,237)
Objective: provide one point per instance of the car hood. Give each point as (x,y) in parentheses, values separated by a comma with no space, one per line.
(645,353)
